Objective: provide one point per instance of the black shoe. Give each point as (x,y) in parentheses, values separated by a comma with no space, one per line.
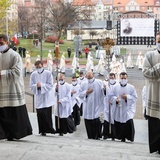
(43,134)
(10,139)
(123,140)
(60,134)
(113,139)
(105,137)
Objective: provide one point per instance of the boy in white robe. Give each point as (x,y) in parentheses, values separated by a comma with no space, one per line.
(144,101)
(92,94)
(41,85)
(80,80)
(125,96)
(109,108)
(63,107)
(76,102)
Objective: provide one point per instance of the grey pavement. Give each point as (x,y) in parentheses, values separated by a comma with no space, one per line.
(76,146)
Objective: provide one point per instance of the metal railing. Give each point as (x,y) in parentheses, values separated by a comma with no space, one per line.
(32,95)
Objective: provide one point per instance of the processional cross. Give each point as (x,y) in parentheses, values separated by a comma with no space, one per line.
(107,44)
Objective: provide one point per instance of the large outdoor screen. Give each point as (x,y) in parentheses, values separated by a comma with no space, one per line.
(137,27)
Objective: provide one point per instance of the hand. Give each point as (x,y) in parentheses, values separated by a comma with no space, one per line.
(109,102)
(124,96)
(59,102)
(73,92)
(57,87)
(38,84)
(89,91)
(118,100)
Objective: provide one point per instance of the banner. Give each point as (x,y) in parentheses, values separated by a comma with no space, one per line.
(133,27)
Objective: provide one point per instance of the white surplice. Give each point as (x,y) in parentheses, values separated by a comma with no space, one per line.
(75,97)
(92,103)
(107,98)
(62,65)
(65,107)
(45,96)
(81,80)
(125,110)
(50,62)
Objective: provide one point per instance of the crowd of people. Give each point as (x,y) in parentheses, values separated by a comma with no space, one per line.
(108,107)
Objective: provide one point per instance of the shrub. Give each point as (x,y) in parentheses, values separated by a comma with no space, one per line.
(30,36)
(52,39)
(88,43)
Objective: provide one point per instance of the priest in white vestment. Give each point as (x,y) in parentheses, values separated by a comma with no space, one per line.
(125,97)
(92,94)
(139,62)
(89,65)
(38,58)
(151,72)
(50,61)
(14,120)
(63,107)
(129,61)
(28,64)
(75,64)
(62,65)
(41,85)
(100,68)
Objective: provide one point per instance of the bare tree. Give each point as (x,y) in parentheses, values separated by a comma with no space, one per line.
(24,19)
(93,33)
(64,15)
(78,32)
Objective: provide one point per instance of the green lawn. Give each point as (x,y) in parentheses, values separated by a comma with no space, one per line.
(28,44)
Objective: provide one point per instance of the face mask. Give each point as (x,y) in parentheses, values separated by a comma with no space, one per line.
(158,46)
(39,70)
(81,78)
(3,48)
(90,80)
(112,81)
(74,83)
(61,81)
(124,81)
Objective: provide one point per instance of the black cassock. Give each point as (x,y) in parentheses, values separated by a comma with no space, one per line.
(14,123)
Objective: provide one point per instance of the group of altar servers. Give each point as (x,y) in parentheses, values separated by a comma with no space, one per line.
(108,107)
